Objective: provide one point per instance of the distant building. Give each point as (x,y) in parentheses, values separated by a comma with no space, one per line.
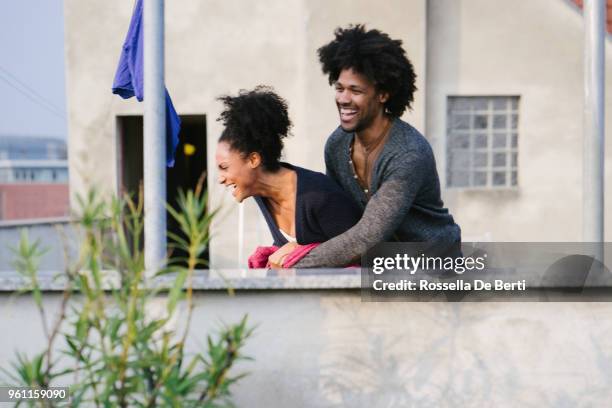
(33,171)
(32,148)
(33,178)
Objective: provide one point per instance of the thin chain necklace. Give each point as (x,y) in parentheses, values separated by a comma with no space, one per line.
(367,150)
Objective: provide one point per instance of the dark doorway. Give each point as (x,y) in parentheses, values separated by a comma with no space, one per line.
(189,166)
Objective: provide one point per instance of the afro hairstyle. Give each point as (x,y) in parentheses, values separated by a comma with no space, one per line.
(256,121)
(375,55)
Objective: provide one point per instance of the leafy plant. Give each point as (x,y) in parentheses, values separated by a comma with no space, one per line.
(115,352)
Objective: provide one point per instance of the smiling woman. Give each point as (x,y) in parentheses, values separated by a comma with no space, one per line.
(300,206)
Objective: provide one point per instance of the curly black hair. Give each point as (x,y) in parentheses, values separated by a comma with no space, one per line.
(256,121)
(373,54)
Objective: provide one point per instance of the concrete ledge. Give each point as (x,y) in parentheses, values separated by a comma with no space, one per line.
(207,279)
(320,279)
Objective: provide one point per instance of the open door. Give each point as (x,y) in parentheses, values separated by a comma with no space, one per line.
(190,161)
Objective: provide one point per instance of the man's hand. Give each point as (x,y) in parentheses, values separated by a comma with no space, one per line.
(277,258)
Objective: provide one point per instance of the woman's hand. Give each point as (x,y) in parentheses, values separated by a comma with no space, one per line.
(277,258)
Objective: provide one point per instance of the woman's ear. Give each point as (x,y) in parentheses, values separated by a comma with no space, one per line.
(254,160)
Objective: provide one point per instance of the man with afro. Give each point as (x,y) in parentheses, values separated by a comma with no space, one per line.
(385,164)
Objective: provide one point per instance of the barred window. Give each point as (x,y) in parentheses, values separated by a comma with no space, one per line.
(482,141)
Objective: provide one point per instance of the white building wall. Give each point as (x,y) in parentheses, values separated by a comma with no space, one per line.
(531,48)
(329,349)
(215,47)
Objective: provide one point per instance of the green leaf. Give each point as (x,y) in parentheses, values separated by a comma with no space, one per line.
(176,290)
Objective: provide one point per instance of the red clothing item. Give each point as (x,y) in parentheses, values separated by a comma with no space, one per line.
(297,254)
(259,258)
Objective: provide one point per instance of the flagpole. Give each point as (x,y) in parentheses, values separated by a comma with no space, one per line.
(594,86)
(154,136)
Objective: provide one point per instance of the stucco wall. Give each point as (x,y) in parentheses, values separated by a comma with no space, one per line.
(327,349)
(530,48)
(534,49)
(215,47)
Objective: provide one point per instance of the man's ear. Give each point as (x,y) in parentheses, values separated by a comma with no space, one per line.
(254,160)
(383,97)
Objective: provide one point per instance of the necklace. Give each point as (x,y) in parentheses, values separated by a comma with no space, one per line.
(367,150)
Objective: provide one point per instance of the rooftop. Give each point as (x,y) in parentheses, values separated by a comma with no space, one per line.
(31,148)
(580,3)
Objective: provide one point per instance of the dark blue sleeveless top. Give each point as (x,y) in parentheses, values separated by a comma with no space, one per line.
(322,209)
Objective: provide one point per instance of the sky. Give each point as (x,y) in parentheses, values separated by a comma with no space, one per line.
(32,86)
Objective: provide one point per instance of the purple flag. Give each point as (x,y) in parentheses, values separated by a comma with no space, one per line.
(129,80)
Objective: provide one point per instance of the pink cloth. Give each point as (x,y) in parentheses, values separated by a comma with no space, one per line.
(259,258)
(297,254)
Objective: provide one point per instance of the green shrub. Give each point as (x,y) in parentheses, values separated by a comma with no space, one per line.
(113,352)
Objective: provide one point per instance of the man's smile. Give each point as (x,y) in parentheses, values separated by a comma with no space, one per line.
(347,114)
